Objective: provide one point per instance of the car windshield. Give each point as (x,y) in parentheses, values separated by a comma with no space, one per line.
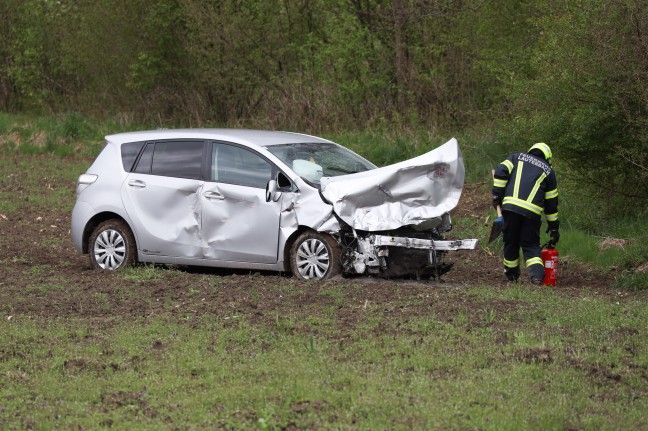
(312,161)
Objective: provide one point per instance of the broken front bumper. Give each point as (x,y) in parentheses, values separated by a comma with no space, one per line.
(395,255)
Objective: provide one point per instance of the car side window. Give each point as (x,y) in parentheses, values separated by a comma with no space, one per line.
(237,165)
(179,159)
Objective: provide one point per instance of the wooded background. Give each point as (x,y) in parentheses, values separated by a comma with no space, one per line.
(572,73)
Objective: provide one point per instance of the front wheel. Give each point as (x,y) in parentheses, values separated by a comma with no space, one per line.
(112,245)
(315,255)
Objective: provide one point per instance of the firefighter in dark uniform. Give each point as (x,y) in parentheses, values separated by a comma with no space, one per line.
(525,186)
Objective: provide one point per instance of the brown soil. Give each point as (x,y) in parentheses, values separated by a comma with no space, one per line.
(41,274)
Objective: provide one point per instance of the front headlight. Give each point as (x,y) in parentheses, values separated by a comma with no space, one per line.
(84,181)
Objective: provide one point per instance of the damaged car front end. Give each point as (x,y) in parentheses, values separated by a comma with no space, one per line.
(389,221)
(266,200)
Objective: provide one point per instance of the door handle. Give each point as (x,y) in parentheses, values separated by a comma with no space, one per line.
(138,184)
(214,196)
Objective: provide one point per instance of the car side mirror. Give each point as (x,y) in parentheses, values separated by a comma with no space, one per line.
(272,194)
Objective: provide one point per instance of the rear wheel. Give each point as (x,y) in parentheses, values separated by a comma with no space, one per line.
(315,255)
(112,245)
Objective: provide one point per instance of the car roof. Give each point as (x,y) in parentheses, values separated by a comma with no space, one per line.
(240,136)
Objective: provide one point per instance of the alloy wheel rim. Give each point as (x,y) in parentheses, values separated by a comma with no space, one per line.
(110,249)
(312,259)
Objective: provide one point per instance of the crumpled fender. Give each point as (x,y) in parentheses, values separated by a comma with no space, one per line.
(307,209)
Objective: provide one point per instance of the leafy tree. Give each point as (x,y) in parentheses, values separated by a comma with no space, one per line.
(30,66)
(8,18)
(586,94)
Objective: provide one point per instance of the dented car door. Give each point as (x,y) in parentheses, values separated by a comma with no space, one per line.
(162,198)
(238,224)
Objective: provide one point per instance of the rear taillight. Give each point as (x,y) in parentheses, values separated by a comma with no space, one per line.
(84,181)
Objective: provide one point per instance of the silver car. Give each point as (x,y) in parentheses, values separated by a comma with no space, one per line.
(266,200)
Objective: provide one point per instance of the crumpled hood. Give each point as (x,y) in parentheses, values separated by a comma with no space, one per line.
(411,192)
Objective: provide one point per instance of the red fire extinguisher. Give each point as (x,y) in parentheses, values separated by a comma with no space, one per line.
(549,257)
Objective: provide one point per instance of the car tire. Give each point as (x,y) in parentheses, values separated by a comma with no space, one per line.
(315,255)
(111,245)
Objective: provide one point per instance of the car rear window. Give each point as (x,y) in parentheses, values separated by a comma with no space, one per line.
(129,153)
(178,159)
(144,163)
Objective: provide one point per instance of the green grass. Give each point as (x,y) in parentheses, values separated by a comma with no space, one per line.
(142,273)
(71,134)
(49,185)
(622,249)
(566,365)
(631,280)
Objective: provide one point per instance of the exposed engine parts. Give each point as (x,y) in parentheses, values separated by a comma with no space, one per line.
(404,251)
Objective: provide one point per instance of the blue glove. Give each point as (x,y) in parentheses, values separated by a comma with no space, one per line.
(499,220)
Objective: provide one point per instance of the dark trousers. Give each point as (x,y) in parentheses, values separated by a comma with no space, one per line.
(520,231)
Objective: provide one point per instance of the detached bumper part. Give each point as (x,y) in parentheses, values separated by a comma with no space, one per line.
(427,244)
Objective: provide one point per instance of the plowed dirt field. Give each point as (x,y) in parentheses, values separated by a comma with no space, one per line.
(44,275)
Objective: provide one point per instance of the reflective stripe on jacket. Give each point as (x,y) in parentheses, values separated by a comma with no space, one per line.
(527,185)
